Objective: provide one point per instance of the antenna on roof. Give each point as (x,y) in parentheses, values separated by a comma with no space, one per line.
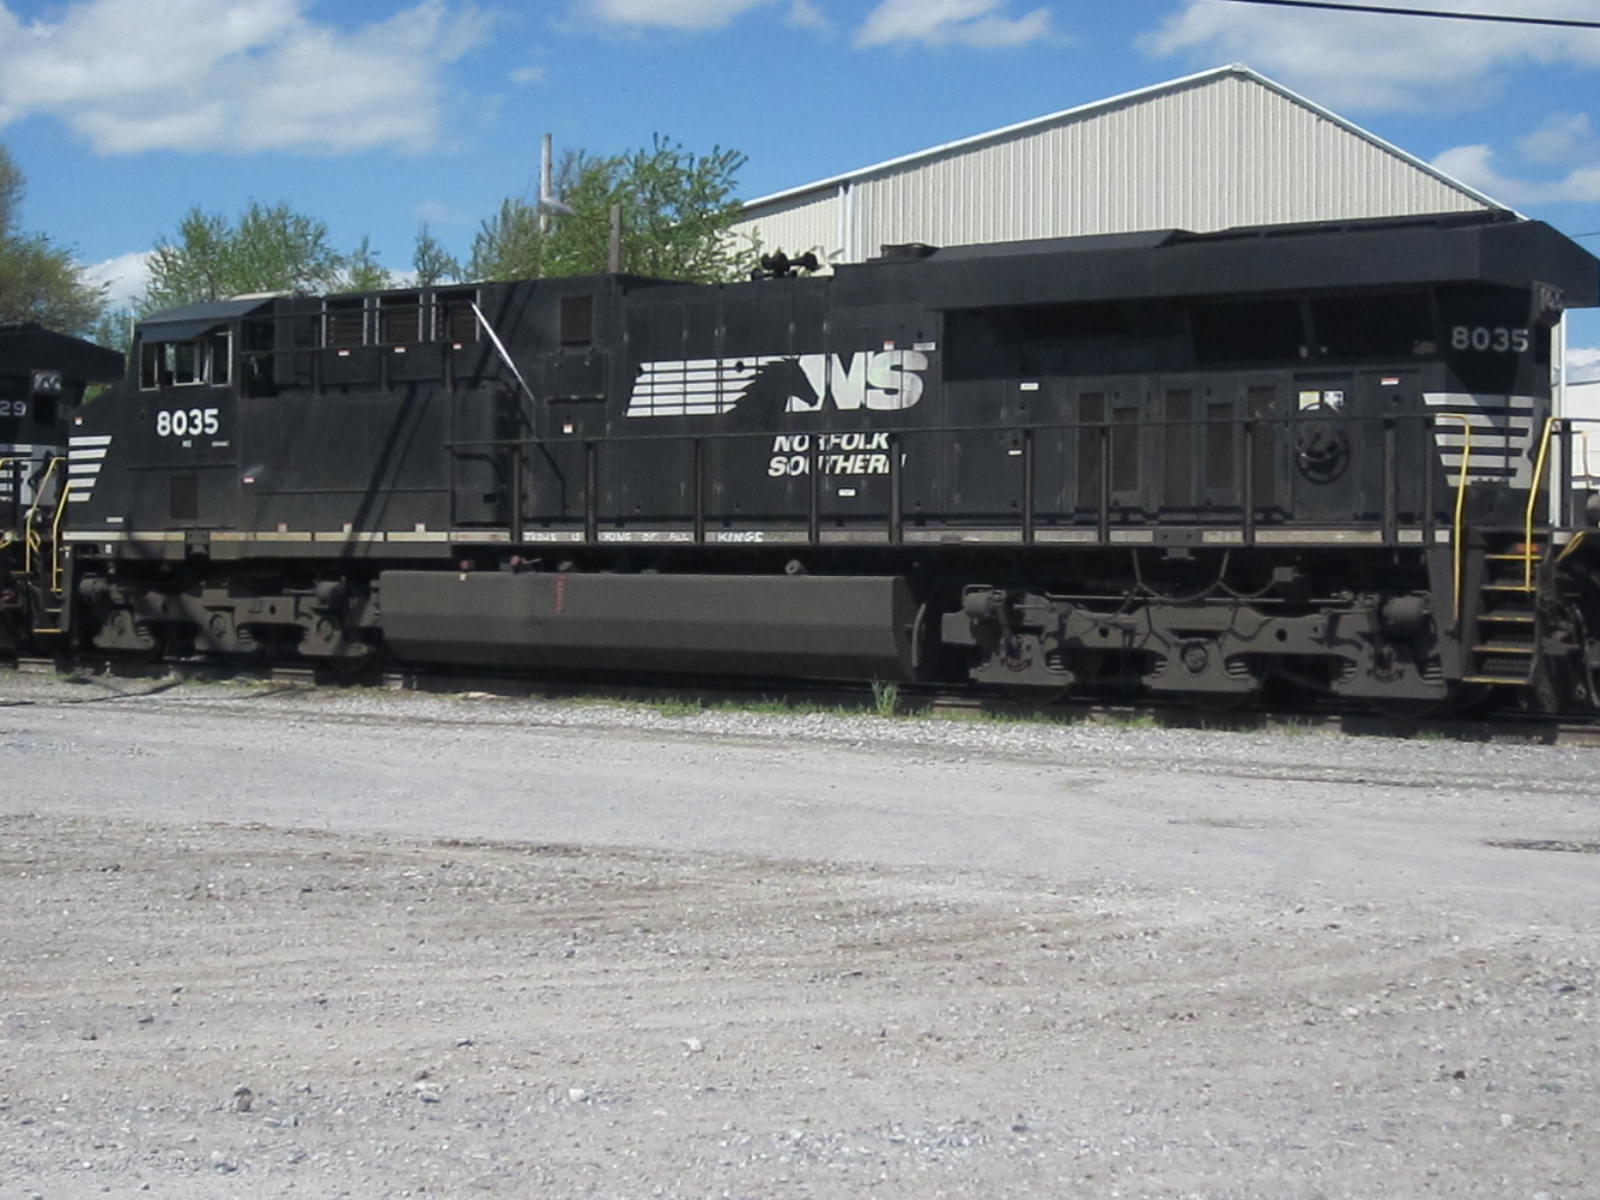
(548,206)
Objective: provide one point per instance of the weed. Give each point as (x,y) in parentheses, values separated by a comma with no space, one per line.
(885,698)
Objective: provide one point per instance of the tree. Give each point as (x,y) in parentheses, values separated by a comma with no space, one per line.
(268,250)
(432,263)
(362,272)
(676,207)
(38,280)
(114,329)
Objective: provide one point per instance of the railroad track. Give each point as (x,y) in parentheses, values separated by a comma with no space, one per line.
(903,700)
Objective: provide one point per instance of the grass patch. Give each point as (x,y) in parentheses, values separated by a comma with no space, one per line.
(678,706)
(777,706)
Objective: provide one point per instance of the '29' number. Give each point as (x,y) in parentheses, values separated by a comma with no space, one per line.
(1497,339)
(187,422)
(13,408)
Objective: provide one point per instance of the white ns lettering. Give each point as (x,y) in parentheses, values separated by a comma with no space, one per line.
(882,381)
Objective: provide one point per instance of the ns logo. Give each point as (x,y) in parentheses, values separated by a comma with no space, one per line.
(874,380)
(883,381)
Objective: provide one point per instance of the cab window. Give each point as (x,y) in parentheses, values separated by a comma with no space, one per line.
(202,360)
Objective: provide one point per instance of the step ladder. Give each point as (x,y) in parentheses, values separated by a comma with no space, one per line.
(1505,647)
(44,555)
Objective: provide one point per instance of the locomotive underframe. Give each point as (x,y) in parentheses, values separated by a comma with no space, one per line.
(1214,625)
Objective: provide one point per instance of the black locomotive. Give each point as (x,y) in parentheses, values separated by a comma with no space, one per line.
(43,380)
(1319,457)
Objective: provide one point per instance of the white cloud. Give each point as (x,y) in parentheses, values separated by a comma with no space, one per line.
(1557,163)
(245,75)
(693,16)
(1365,61)
(1475,165)
(668,14)
(124,277)
(950,22)
(803,14)
(1563,138)
(1583,364)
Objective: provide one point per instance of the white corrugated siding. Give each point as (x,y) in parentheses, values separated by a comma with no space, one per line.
(1225,150)
(795,226)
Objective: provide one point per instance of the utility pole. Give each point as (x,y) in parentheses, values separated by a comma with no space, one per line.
(548,205)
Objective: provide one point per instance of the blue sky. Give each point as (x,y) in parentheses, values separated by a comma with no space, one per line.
(375,117)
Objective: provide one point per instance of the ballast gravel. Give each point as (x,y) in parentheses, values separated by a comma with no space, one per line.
(263,941)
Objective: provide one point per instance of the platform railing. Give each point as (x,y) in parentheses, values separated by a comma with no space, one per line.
(1394,496)
(1558,432)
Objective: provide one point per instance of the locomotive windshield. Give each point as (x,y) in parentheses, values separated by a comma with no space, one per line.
(1397,325)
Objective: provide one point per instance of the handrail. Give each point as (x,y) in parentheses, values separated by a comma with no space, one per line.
(31,541)
(1534,481)
(55,536)
(1458,519)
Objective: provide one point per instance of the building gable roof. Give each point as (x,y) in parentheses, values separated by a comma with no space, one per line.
(1083,112)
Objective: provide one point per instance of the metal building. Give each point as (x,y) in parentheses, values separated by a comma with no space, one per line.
(1223,148)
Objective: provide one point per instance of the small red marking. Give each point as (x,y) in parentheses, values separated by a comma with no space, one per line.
(561,594)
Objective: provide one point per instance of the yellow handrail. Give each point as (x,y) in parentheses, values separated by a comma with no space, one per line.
(1533,499)
(55,535)
(31,541)
(1457,541)
(1577,540)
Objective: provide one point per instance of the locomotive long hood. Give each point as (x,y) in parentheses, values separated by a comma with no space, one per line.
(1173,263)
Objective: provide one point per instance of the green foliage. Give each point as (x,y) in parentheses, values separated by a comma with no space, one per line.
(268,250)
(510,245)
(885,698)
(38,280)
(362,272)
(114,329)
(676,208)
(432,263)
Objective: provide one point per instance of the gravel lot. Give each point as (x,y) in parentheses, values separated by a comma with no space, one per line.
(265,942)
